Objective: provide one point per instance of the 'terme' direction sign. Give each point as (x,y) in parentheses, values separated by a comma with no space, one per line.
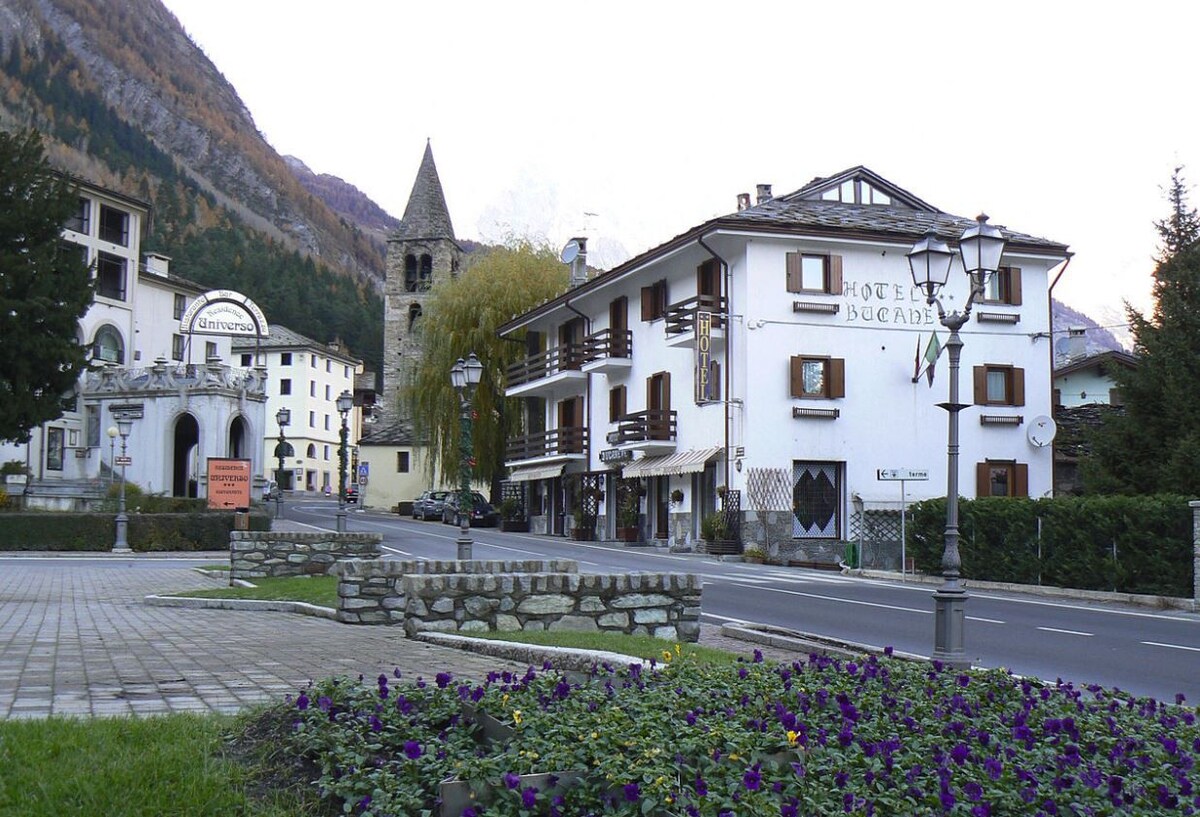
(902,473)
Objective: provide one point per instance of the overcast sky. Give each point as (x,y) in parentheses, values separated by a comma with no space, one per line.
(1057,119)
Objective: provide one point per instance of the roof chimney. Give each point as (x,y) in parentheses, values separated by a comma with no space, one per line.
(764,193)
(743,201)
(579,263)
(1076,345)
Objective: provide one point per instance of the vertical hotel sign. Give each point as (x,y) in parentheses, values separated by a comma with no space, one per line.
(704,384)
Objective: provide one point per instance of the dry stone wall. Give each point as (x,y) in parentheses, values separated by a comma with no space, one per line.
(517,595)
(259,554)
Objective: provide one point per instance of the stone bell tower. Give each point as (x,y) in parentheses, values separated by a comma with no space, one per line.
(423,250)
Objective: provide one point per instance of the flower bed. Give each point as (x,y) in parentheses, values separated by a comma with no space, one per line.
(877,736)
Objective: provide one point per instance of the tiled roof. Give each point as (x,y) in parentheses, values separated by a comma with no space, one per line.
(281,337)
(426,215)
(397,432)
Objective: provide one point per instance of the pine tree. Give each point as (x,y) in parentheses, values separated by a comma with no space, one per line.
(45,288)
(1154,446)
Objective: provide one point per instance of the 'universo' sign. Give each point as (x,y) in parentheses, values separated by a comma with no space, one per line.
(224,312)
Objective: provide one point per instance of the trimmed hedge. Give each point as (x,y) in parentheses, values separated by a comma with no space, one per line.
(998,541)
(95,531)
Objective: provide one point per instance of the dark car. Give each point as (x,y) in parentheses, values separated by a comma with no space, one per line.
(429,505)
(351,492)
(483,515)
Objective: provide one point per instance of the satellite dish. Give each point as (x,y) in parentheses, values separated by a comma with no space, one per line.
(569,252)
(1042,431)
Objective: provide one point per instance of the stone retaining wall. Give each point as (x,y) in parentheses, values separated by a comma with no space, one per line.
(369,591)
(662,605)
(258,554)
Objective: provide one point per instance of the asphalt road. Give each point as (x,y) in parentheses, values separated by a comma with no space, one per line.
(1148,652)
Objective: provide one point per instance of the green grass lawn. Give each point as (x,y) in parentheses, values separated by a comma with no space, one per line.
(184,765)
(641,646)
(319,590)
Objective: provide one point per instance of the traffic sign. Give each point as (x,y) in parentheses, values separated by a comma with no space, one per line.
(902,473)
(122,460)
(364,470)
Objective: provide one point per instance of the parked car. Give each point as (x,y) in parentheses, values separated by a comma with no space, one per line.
(351,492)
(270,490)
(429,505)
(483,515)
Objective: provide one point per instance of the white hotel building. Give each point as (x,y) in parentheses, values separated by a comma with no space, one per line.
(810,381)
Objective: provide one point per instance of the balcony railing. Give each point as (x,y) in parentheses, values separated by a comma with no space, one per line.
(642,426)
(607,344)
(681,317)
(554,442)
(568,357)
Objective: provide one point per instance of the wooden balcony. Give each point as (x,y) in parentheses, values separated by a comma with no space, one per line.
(554,374)
(567,443)
(681,320)
(607,351)
(652,431)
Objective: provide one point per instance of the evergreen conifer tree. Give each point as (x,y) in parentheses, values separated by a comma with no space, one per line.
(1154,445)
(45,288)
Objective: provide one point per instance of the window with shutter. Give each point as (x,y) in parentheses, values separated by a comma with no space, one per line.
(814,273)
(1003,287)
(1001,478)
(818,377)
(654,301)
(999,385)
(616,404)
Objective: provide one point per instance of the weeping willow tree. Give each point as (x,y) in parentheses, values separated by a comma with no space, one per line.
(461,316)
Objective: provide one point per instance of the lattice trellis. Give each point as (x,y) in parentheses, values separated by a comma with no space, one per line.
(731,508)
(878,531)
(768,489)
(591,489)
(514,491)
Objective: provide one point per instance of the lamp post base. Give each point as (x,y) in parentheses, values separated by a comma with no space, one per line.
(341,520)
(949,619)
(121,545)
(465,546)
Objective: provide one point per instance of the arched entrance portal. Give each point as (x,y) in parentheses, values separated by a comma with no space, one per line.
(184,467)
(237,440)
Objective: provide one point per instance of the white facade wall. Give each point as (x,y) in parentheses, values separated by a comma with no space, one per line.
(1084,387)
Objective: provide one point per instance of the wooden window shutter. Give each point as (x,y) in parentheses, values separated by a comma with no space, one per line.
(1020,485)
(666,391)
(797,379)
(836,372)
(616,404)
(1014,286)
(980,373)
(648,303)
(1018,387)
(835,275)
(1057,397)
(793,272)
(983,485)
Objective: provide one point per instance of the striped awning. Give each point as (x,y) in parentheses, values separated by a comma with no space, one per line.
(681,462)
(536,472)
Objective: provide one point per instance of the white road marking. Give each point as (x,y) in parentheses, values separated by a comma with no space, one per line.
(986,620)
(396,550)
(1065,632)
(832,598)
(1171,646)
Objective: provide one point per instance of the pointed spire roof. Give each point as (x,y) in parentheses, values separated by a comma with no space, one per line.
(426,215)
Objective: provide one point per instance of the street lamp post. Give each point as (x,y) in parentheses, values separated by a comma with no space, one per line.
(980,248)
(121,545)
(465,377)
(283,417)
(345,402)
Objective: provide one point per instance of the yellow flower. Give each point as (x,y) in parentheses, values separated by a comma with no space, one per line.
(733,756)
(667,656)
(595,736)
(792,737)
(517,717)
(677,650)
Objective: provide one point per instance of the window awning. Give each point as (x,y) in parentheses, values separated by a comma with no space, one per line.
(535,472)
(681,462)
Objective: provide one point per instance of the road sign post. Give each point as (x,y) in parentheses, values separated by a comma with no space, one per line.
(902,475)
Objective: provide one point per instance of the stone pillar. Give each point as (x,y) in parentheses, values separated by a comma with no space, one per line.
(1195,506)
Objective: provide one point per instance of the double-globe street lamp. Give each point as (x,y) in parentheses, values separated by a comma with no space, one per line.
(283,418)
(465,376)
(345,402)
(980,247)
(123,427)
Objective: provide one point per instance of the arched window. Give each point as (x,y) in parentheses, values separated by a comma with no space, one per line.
(426,271)
(312,451)
(410,273)
(414,314)
(108,346)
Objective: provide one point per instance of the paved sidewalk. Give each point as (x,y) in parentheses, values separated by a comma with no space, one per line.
(77,639)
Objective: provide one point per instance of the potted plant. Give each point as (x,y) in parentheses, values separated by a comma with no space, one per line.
(676,497)
(754,554)
(714,530)
(512,516)
(628,508)
(585,526)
